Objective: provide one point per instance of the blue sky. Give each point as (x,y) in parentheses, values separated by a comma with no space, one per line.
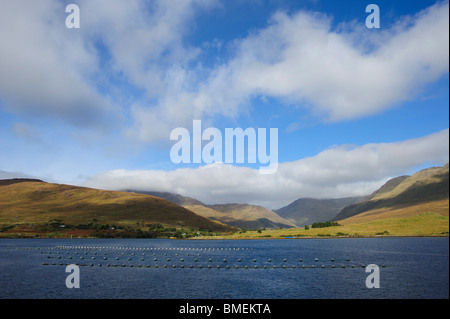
(95,106)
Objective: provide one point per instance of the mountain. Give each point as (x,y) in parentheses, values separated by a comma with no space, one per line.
(305,211)
(171,197)
(247,216)
(37,204)
(4,182)
(238,215)
(426,190)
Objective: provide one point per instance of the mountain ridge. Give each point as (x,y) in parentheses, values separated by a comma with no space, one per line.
(426,186)
(39,204)
(241,215)
(306,211)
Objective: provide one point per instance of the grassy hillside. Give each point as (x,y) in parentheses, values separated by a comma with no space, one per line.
(440,207)
(426,186)
(424,224)
(40,207)
(416,205)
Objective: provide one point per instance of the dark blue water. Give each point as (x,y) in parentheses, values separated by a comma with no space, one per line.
(243,269)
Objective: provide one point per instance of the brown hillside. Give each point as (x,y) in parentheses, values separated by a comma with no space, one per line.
(37,202)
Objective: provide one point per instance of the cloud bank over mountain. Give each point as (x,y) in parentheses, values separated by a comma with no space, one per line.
(340,171)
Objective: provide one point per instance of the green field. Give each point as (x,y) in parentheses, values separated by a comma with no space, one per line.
(425,224)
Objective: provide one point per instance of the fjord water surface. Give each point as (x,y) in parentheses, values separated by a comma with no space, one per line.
(213,269)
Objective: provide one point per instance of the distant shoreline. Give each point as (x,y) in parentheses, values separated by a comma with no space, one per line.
(246,238)
(320,237)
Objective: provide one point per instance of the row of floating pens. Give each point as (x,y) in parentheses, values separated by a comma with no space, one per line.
(196,259)
(138,248)
(150,248)
(217,266)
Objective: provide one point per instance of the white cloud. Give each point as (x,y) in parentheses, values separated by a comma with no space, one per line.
(339,75)
(336,172)
(46,67)
(51,71)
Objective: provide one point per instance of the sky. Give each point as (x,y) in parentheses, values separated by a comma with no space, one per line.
(95,106)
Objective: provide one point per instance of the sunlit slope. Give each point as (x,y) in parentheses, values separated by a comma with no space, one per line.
(242,215)
(37,202)
(237,215)
(424,191)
